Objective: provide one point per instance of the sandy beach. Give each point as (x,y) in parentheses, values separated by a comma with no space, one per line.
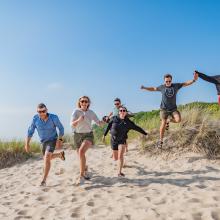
(187,187)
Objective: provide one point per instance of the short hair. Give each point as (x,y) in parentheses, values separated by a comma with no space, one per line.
(117,100)
(84,97)
(41,105)
(168,76)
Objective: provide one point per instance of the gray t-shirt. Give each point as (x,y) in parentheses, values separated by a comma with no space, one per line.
(84,126)
(169,96)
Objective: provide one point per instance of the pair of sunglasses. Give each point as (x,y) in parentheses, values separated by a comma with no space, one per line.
(42,111)
(84,101)
(122,110)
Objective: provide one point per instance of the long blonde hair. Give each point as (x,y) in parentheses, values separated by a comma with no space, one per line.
(84,97)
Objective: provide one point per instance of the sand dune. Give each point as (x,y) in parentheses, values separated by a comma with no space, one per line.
(154,188)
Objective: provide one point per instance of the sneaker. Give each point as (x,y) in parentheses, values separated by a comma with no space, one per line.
(160,144)
(80,181)
(43,183)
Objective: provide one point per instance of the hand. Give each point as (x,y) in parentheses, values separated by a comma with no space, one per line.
(196,76)
(142,87)
(81,118)
(59,144)
(27,148)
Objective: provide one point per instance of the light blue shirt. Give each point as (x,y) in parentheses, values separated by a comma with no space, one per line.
(46,129)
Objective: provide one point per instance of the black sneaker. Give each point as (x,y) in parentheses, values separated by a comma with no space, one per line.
(160,144)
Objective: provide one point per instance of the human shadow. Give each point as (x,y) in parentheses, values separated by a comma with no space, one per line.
(152,178)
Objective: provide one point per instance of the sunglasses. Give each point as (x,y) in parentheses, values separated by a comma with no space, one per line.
(122,110)
(84,101)
(168,81)
(42,111)
(117,103)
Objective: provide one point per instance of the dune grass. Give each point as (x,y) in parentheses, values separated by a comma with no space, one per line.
(12,152)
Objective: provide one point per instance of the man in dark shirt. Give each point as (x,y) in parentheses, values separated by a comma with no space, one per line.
(212,79)
(168,105)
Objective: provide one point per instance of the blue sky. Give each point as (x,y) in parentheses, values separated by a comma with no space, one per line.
(56,51)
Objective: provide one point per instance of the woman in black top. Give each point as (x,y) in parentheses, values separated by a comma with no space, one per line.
(119,127)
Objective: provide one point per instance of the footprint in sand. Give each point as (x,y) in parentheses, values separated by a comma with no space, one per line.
(197,216)
(90,203)
(61,191)
(216,198)
(194,200)
(22,212)
(74,200)
(41,198)
(215,215)
(76,212)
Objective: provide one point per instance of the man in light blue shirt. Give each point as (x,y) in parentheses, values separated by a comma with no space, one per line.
(46,125)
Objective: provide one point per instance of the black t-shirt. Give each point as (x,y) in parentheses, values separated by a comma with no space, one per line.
(169,96)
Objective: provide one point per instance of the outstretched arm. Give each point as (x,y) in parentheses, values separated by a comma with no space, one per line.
(206,78)
(152,89)
(190,82)
(133,126)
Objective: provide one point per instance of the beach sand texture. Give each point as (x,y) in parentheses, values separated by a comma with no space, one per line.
(186,188)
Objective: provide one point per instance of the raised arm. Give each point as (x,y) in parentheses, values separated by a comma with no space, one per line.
(206,77)
(190,82)
(152,89)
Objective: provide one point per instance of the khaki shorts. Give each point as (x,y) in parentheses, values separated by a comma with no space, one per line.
(164,114)
(80,137)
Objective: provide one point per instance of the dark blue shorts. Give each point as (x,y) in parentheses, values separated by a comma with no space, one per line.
(48,146)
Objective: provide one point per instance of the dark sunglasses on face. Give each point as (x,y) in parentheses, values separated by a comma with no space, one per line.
(41,111)
(117,103)
(122,110)
(84,101)
(168,81)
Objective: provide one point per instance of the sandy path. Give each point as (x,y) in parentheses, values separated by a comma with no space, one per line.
(183,188)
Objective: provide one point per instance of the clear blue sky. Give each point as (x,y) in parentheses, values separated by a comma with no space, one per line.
(56,51)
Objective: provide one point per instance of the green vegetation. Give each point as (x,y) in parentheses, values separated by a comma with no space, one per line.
(13,151)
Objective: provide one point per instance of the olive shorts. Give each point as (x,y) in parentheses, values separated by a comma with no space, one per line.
(80,137)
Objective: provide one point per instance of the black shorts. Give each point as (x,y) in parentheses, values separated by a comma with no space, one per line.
(116,143)
(48,146)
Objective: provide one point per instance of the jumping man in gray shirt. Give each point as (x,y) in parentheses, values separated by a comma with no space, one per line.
(168,105)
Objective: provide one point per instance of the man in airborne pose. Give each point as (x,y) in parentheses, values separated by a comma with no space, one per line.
(168,105)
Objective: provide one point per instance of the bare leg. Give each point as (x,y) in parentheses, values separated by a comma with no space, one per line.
(47,164)
(176,117)
(121,151)
(115,154)
(82,150)
(162,128)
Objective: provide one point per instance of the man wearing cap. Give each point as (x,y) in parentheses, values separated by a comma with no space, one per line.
(46,125)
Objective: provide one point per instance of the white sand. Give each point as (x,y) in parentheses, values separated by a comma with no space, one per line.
(183,188)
